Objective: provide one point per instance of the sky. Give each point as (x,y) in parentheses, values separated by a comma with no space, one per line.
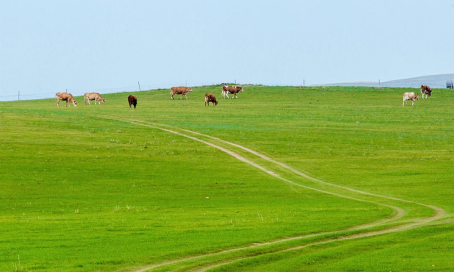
(112,46)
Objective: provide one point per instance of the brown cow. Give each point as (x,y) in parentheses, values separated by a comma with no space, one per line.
(231,89)
(66,97)
(179,90)
(409,96)
(425,90)
(210,98)
(93,96)
(132,99)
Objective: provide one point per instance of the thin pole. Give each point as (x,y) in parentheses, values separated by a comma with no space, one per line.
(139,85)
(18,95)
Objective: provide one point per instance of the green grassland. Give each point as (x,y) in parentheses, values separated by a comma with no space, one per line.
(109,188)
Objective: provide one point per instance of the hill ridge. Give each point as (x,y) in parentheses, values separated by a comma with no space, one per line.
(434,81)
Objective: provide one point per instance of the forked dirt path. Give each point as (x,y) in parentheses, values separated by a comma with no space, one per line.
(399,212)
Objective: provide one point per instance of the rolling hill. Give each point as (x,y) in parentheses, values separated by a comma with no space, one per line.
(434,81)
(281,179)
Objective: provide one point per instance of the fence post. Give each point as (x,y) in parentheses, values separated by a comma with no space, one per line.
(18,95)
(139,85)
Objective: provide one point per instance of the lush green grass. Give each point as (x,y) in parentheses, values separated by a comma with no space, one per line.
(86,189)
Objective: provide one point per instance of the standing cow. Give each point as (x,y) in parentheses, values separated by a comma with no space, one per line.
(425,90)
(409,96)
(132,99)
(66,97)
(93,96)
(179,90)
(210,98)
(231,89)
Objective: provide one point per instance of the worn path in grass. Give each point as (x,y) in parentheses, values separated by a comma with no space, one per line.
(400,221)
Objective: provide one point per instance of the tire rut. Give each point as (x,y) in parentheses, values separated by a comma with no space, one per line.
(399,212)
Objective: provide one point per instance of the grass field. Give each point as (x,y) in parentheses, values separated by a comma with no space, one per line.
(280,179)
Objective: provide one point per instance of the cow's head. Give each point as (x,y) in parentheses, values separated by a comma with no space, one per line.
(103,101)
(74,103)
(240,89)
(190,90)
(416,96)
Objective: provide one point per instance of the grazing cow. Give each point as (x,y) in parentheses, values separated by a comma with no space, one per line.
(179,90)
(93,96)
(409,96)
(66,97)
(425,90)
(132,99)
(210,98)
(231,89)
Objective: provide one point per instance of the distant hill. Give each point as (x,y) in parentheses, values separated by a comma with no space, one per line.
(434,81)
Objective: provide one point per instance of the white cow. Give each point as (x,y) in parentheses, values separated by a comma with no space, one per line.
(409,96)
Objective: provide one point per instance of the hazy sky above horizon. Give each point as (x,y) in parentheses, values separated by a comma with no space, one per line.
(95,45)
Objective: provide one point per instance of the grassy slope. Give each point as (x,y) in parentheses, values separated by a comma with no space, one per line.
(111,194)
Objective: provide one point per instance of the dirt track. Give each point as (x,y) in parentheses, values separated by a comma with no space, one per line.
(376,199)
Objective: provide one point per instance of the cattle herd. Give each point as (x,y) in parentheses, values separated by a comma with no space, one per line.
(132,99)
(426,92)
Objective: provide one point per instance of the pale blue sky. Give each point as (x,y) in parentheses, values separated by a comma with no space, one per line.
(107,46)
